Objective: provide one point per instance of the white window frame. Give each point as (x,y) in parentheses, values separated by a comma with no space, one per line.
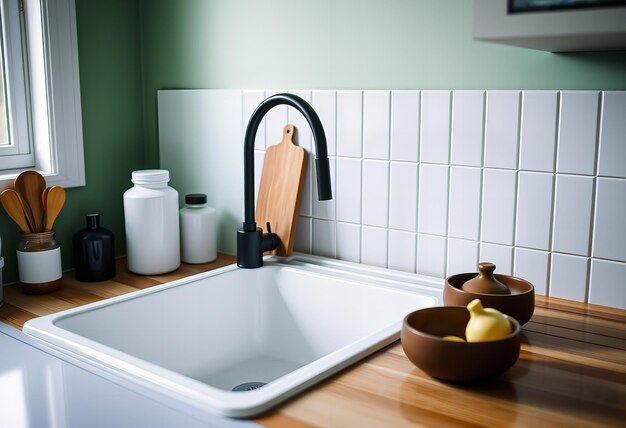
(54,122)
(19,153)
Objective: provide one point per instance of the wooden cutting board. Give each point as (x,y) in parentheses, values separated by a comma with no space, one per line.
(280,190)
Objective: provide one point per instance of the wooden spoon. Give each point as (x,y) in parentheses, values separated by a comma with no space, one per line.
(31,185)
(54,203)
(44,196)
(27,211)
(10,200)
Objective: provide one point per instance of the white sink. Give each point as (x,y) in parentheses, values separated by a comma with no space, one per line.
(287,325)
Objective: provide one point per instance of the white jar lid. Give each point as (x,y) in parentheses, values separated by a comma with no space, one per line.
(150,176)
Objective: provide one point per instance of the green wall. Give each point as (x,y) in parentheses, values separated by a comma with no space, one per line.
(128,49)
(342,44)
(111,96)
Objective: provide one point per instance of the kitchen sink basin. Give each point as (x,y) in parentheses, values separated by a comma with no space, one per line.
(238,341)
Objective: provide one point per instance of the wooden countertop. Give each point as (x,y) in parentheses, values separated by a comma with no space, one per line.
(571,371)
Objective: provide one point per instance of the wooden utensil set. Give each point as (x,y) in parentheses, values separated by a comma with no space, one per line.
(32,205)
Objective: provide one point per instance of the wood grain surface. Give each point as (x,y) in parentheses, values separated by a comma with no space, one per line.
(280,190)
(571,371)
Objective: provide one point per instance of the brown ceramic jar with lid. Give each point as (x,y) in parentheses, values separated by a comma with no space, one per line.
(518,301)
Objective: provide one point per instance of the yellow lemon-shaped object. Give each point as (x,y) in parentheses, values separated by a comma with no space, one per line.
(485,323)
(454,338)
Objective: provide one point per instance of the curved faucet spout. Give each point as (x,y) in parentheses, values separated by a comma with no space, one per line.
(251,243)
(321,157)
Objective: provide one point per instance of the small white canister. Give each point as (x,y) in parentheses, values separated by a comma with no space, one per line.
(198,230)
(39,263)
(152,224)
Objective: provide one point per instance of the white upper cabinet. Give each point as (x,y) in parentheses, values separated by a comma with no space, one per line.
(553,30)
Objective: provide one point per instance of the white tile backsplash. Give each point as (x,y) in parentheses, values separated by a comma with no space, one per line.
(325,104)
(402,248)
(302,137)
(435,181)
(538,137)
(251,99)
(534,210)
(325,209)
(350,123)
(405,119)
(431,255)
(607,285)
(501,129)
(467,128)
(275,121)
(376,125)
(462,256)
(500,255)
(432,215)
(259,157)
(465,188)
(435,127)
(572,214)
(374,246)
(403,196)
(609,239)
(348,190)
(568,277)
(325,238)
(303,235)
(305,201)
(349,242)
(498,210)
(578,127)
(533,266)
(613,135)
(375,208)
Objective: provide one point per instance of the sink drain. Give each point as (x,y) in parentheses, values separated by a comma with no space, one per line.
(249,386)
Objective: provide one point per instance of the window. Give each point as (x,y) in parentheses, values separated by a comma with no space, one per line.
(40,119)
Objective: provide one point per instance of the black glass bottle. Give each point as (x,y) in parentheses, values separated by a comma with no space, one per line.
(94,252)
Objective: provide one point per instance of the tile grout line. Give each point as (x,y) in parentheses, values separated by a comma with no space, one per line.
(517,181)
(554,190)
(482,173)
(419,181)
(362,190)
(571,174)
(334,98)
(449,142)
(389,116)
(309,168)
(594,193)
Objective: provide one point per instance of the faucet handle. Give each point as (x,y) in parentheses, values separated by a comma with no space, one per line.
(270,240)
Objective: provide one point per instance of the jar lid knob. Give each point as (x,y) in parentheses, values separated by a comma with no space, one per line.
(485,282)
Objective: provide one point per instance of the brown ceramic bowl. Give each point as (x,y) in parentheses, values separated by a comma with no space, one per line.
(422,340)
(520,304)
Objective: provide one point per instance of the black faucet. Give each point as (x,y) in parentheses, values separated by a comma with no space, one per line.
(251,241)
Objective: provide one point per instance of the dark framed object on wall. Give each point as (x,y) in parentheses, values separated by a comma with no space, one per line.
(522,6)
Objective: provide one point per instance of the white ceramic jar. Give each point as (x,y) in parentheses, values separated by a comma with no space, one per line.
(151,222)
(197,230)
